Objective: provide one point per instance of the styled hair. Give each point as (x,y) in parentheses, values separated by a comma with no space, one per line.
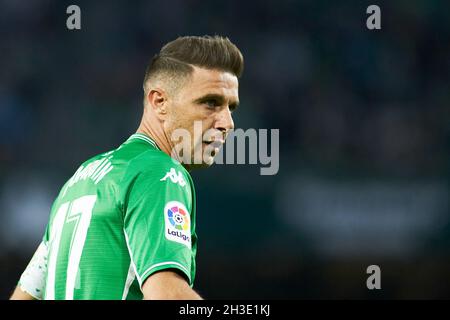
(177,57)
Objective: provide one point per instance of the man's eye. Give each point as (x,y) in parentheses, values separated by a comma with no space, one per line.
(211,103)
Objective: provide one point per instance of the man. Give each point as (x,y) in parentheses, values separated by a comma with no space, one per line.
(123,226)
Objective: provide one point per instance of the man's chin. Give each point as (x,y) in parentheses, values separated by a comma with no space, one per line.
(200,158)
(202,165)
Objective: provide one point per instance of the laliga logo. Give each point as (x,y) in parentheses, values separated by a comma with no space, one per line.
(178,224)
(178,218)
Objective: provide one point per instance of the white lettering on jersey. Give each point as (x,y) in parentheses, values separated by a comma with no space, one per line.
(95,171)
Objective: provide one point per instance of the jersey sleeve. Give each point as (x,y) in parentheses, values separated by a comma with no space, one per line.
(158,223)
(32,280)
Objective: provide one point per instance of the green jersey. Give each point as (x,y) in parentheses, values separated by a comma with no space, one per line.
(121,217)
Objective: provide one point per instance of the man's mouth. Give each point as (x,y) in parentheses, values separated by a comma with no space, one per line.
(218,143)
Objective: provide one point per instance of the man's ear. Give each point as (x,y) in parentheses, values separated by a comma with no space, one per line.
(157,100)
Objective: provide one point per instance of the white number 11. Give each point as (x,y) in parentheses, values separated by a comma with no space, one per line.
(80,211)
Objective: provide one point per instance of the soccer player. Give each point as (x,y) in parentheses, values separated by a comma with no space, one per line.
(123,226)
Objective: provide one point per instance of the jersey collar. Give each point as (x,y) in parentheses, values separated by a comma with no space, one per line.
(145,138)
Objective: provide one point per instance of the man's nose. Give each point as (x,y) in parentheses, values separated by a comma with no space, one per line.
(224,121)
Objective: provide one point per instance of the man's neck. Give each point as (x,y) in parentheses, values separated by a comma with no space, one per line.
(157,136)
(153,128)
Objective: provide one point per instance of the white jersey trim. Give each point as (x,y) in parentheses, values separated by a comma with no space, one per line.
(150,269)
(131,258)
(130,278)
(172,263)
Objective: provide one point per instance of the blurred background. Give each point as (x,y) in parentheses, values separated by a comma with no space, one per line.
(364,119)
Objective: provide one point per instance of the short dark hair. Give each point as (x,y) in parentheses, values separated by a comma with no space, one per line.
(210,52)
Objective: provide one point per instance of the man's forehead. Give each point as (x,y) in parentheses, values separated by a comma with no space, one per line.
(207,79)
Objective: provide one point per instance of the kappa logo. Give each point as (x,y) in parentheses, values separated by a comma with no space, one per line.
(177,223)
(174,176)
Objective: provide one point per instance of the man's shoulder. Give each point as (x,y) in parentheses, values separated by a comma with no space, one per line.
(153,160)
(153,171)
(152,163)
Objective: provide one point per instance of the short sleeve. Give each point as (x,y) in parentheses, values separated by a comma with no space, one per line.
(158,223)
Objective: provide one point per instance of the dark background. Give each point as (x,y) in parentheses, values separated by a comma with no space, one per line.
(364,119)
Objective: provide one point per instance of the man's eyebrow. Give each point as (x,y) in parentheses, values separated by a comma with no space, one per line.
(211,96)
(234,105)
